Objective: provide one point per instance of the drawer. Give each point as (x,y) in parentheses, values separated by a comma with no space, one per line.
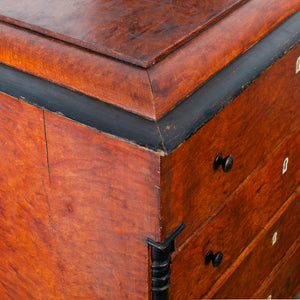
(284,282)
(271,246)
(238,221)
(248,129)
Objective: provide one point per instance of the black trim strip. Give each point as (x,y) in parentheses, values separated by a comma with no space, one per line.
(207,101)
(177,125)
(80,107)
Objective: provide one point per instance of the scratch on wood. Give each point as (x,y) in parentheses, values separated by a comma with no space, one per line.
(46,144)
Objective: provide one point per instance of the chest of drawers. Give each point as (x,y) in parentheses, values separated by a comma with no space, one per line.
(149,150)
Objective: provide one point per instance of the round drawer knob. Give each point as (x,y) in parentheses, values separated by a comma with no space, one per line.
(216,259)
(226,162)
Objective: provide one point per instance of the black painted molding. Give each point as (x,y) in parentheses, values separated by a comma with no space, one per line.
(177,125)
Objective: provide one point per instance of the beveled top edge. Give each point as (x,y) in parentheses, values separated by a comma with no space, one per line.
(152,92)
(136,32)
(167,133)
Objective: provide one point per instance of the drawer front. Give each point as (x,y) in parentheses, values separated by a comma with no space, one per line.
(284,282)
(248,129)
(237,223)
(269,250)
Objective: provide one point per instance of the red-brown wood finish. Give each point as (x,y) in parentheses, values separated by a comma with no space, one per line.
(283,282)
(262,259)
(28,260)
(186,69)
(135,31)
(237,222)
(248,128)
(149,92)
(104,203)
(77,205)
(102,77)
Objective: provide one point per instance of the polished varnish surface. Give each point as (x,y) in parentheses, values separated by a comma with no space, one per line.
(136,31)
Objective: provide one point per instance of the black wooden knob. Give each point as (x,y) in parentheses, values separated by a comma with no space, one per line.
(226,162)
(216,259)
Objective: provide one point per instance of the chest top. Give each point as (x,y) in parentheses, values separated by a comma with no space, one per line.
(138,32)
(146,71)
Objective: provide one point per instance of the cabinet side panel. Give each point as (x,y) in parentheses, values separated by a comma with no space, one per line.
(104,201)
(28,261)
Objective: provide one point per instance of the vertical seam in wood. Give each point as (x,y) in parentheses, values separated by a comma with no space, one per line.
(48,210)
(46,144)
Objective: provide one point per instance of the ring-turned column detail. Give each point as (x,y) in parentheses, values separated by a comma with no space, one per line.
(161,261)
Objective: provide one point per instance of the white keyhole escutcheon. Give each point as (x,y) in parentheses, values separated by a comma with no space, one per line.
(269,297)
(274,238)
(285,165)
(298,65)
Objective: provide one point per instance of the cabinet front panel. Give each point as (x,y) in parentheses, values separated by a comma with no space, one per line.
(248,129)
(237,222)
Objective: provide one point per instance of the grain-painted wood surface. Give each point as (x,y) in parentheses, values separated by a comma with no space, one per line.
(135,31)
(101,77)
(184,70)
(256,266)
(237,222)
(283,282)
(104,203)
(148,92)
(29,265)
(248,128)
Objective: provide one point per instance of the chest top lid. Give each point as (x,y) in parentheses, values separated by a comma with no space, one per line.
(139,58)
(138,32)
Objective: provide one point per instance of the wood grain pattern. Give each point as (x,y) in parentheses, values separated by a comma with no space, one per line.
(104,202)
(135,31)
(262,259)
(235,225)
(184,70)
(248,128)
(283,282)
(148,92)
(104,78)
(29,265)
